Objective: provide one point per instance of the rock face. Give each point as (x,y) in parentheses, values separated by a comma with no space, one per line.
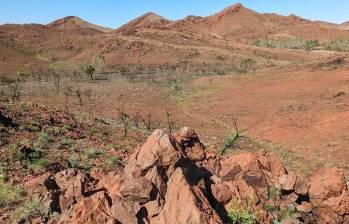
(173,179)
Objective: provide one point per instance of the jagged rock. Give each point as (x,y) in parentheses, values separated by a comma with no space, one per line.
(122,211)
(191,144)
(72,187)
(90,210)
(160,149)
(229,170)
(166,182)
(329,196)
(288,181)
(185,204)
(221,193)
(136,189)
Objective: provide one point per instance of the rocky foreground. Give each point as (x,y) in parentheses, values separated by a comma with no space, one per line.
(172,179)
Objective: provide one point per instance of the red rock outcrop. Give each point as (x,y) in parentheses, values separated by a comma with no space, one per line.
(172,179)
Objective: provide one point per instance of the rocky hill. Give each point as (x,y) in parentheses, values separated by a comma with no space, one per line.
(76,24)
(193,44)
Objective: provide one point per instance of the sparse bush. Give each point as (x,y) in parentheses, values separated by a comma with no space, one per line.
(288,43)
(273,192)
(338,45)
(9,193)
(92,153)
(30,209)
(66,142)
(90,70)
(23,73)
(246,64)
(74,160)
(38,164)
(43,139)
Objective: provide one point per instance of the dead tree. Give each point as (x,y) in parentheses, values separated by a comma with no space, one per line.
(79,95)
(15,91)
(136,119)
(170,120)
(125,121)
(229,141)
(147,121)
(57,81)
(88,94)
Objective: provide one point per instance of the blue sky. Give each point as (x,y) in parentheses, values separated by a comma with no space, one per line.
(113,13)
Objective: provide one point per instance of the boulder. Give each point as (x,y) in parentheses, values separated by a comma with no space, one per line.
(288,181)
(329,195)
(302,185)
(160,149)
(136,189)
(221,193)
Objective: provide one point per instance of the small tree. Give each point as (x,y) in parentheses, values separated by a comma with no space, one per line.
(311,44)
(90,70)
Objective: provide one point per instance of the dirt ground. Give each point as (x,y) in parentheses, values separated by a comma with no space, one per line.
(298,111)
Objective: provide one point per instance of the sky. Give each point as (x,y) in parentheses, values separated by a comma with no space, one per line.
(114,13)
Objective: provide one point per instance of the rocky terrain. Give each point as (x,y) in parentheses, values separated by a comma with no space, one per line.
(91,117)
(171,178)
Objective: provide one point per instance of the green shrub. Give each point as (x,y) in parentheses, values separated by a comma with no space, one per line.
(43,139)
(90,70)
(66,141)
(9,193)
(112,162)
(311,44)
(30,209)
(74,160)
(239,214)
(273,192)
(12,152)
(39,164)
(228,142)
(92,153)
